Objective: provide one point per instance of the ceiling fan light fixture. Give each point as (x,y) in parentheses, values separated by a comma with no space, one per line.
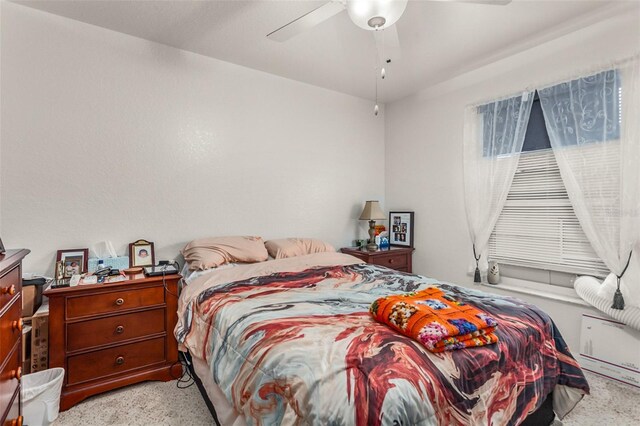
(375,14)
(376,22)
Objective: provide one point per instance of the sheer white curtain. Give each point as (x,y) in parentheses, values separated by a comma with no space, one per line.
(493,138)
(593,124)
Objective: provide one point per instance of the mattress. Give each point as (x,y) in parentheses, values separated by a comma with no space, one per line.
(291,341)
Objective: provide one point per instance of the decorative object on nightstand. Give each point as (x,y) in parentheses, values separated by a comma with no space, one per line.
(74,261)
(384,241)
(398,258)
(114,334)
(401,229)
(493,275)
(372,212)
(141,253)
(11,336)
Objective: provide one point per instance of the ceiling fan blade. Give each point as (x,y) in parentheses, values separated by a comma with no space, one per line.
(489,2)
(307,21)
(388,44)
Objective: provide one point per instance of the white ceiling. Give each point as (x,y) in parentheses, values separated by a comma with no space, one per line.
(438,39)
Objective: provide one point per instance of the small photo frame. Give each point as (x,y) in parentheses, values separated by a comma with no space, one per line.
(2,250)
(141,253)
(402,226)
(74,261)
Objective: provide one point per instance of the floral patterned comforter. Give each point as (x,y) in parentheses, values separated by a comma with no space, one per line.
(297,345)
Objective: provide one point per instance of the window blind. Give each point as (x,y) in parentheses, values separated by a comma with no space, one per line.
(538,227)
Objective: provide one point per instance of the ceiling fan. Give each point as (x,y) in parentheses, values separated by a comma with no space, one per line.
(378,16)
(372,15)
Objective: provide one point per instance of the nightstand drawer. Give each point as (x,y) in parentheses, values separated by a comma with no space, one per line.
(391,261)
(398,258)
(10,285)
(9,332)
(112,361)
(83,306)
(97,332)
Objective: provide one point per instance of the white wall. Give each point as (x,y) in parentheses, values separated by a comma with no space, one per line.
(424,145)
(110,137)
(1,1)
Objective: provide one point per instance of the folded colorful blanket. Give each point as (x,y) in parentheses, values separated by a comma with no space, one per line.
(435,319)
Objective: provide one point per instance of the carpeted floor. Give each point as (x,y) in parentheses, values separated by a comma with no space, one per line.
(157,403)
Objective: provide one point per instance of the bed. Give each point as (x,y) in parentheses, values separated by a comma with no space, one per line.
(291,341)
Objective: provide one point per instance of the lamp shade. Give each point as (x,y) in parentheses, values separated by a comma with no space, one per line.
(372,211)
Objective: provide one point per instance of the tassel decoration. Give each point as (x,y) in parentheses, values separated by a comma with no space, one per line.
(618,300)
(476,276)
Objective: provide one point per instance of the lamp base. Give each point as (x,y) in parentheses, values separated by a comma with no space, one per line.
(372,246)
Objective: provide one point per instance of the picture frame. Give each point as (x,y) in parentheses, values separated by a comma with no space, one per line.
(141,253)
(2,249)
(74,261)
(401,224)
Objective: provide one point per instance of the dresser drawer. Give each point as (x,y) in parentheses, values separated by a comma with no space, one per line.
(9,328)
(391,261)
(112,361)
(83,306)
(10,376)
(13,415)
(97,332)
(10,285)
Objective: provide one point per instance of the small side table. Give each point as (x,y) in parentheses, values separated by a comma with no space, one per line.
(111,335)
(398,258)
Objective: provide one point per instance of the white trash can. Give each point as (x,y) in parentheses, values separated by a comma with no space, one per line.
(41,396)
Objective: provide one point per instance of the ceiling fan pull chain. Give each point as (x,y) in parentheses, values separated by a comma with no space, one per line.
(383,72)
(376,109)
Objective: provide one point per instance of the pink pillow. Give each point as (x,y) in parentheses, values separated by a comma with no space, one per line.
(208,253)
(291,247)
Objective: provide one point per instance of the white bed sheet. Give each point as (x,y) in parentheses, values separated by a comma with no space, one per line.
(188,275)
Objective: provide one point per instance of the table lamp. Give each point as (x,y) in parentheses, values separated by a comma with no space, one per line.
(372,212)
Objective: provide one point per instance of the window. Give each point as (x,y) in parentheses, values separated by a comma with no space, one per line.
(537,228)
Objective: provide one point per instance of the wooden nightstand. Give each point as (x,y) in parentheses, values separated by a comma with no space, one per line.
(398,258)
(107,336)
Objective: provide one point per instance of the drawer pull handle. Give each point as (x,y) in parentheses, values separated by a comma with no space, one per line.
(120,301)
(390,260)
(120,360)
(17,325)
(16,374)
(16,422)
(11,290)
(120,329)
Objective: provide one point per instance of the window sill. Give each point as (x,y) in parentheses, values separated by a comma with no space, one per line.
(565,295)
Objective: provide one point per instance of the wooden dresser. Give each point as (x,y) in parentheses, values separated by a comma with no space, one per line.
(398,258)
(11,336)
(110,335)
